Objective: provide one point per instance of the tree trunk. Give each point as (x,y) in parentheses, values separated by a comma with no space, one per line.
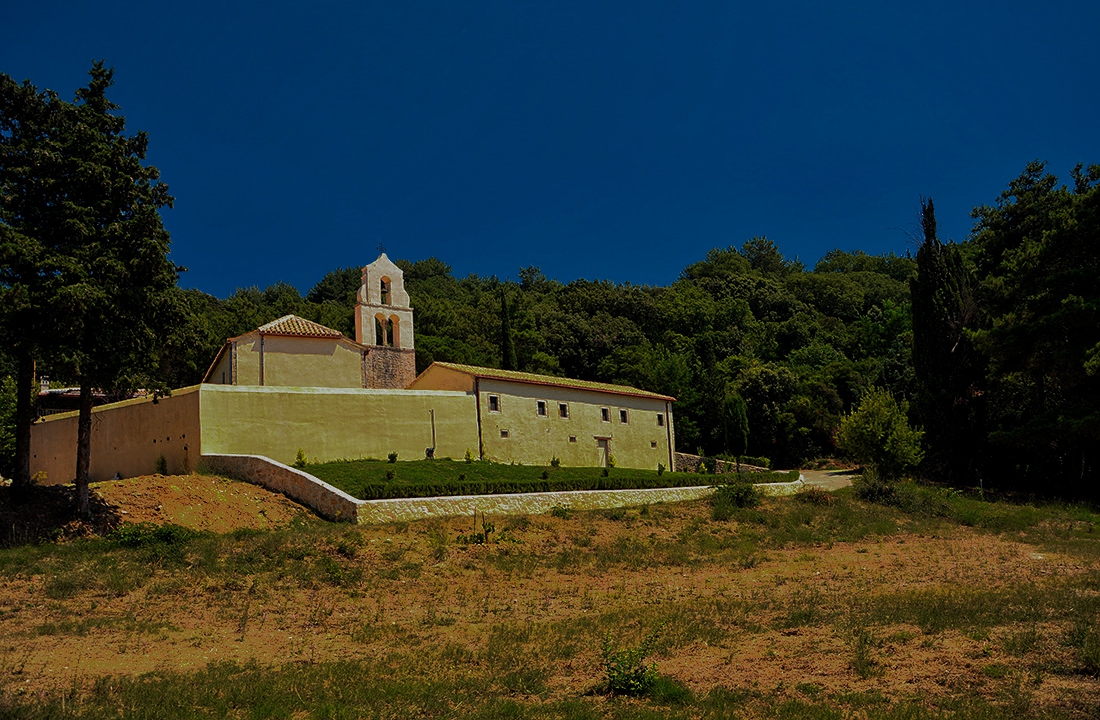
(84,451)
(24,417)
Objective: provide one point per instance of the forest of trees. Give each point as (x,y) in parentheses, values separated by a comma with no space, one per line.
(991,345)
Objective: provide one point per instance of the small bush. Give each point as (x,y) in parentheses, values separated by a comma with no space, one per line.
(872,488)
(555,462)
(561,511)
(545,475)
(392,457)
(162,466)
(728,498)
(660,469)
(300,460)
(815,496)
(469,456)
(146,534)
(626,671)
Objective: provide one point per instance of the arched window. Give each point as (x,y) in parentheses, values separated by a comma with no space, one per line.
(384,290)
(395,331)
(389,333)
(379,329)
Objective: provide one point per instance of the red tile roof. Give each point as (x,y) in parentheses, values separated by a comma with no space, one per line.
(534,379)
(294,326)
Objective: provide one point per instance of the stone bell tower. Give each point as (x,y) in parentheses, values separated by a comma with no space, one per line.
(384,323)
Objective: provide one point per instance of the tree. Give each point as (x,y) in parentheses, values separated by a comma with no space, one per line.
(32,137)
(735,423)
(948,370)
(507,343)
(1036,254)
(115,277)
(878,435)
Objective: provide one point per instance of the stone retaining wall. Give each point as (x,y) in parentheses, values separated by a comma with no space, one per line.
(686,462)
(326,500)
(335,504)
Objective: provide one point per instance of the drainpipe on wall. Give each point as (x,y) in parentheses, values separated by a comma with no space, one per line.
(261,358)
(668,432)
(477,394)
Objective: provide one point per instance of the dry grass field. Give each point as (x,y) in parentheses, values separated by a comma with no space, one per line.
(227,601)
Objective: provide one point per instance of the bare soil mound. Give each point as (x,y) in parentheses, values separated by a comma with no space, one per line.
(199,502)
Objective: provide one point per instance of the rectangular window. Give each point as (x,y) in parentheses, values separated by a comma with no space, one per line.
(542,408)
(660,419)
(494,403)
(504,433)
(563,410)
(605,414)
(572,438)
(622,417)
(653,443)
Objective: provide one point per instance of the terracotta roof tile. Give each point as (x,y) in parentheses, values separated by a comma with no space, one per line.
(298,327)
(534,379)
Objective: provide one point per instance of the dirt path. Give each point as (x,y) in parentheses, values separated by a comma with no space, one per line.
(827,479)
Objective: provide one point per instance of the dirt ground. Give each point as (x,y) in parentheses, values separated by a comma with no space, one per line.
(426,593)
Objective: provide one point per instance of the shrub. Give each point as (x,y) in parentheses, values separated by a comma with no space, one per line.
(555,462)
(872,488)
(300,459)
(545,475)
(561,511)
(815,496)
(878,435)
(392,457)
(469,456)
(660,469)
(626,671)
(162,465)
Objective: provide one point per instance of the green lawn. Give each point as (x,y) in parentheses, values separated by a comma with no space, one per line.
(377,479)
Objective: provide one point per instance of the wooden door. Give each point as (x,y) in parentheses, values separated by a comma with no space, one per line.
(603,450)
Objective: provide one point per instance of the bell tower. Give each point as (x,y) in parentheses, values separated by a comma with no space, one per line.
(384,323)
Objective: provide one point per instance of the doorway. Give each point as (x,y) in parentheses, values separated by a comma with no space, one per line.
(603,448)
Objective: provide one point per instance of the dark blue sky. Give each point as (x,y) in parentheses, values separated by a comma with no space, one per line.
(595,140)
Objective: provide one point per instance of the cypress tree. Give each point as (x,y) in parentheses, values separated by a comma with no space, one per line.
(507,344)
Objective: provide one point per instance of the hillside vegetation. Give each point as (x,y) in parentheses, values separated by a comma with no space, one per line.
(815,606)
(990,345)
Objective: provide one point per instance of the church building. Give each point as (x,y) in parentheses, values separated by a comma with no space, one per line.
(294,384)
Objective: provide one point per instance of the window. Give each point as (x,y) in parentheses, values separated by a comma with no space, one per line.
(605,414)
(572,438)
(563,410)
(623,417)
(542,408)
(504,433)
(494,403)
(660,419)
(653,443)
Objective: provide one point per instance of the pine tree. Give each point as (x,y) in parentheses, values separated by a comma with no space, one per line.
(507,342)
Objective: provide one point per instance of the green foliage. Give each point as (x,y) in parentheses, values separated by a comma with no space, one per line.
(161,465)
(728,498)
(660,469)
(555,462)
(625,670)
(878,435)
(392,457)
(374,479)
(469,457)
(561,511)
(7,426)
(300,461)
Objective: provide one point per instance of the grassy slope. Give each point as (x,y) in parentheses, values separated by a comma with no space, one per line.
(367,479)
(505,675)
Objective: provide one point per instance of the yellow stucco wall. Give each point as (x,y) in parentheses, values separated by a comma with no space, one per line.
(441,378)
(223,371)
(127,439)
(335,423)
(533,440)
(297,362)
(316,362)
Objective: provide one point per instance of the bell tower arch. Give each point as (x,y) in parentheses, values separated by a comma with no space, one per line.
(384,323)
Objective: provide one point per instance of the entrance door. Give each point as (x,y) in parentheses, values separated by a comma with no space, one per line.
(603,450)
